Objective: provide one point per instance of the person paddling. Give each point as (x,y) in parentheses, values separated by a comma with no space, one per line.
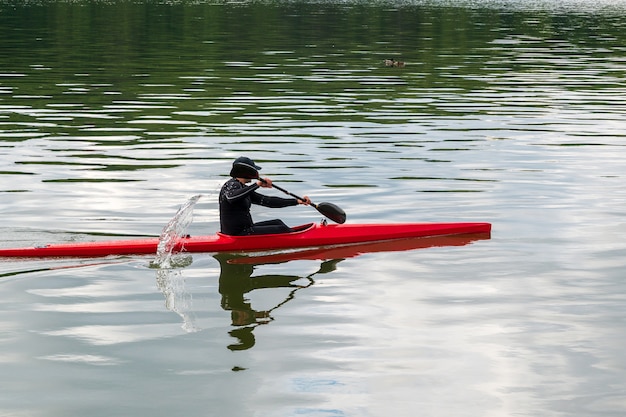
(236,198)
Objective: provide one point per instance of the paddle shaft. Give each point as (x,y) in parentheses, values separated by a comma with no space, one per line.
(291,194)
(329,210)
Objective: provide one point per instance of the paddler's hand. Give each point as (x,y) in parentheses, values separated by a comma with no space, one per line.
(265,182)
(305,200)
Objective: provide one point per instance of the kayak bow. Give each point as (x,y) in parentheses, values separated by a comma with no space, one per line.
(305,236)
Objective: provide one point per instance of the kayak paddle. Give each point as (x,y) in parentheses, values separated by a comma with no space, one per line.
(329,210)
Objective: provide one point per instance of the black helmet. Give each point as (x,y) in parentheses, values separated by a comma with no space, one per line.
(244,167)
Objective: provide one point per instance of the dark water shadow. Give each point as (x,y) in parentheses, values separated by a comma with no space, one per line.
(237,280)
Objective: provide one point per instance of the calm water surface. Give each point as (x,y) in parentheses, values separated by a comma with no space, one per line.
(114,114)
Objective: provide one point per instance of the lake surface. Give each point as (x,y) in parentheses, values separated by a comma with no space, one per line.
(114,114)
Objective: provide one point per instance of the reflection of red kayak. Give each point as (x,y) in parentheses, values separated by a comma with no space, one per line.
(308,235)
(355,249)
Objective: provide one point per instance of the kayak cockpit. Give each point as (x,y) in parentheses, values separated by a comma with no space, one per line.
(302,228)
(294,231)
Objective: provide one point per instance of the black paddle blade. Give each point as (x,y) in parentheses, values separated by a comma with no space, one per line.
(331,211)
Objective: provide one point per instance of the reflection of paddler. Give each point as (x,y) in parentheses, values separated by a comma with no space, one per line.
(236,281)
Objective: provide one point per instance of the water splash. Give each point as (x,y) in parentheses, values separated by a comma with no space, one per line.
(170,279)
(175,229)
(171,283)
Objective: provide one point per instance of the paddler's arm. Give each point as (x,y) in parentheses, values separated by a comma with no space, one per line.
(237,190)
(267,183)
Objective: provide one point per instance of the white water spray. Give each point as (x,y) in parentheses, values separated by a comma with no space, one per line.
(175,230)
(171,281)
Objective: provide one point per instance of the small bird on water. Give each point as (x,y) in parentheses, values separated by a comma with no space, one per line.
(393,63)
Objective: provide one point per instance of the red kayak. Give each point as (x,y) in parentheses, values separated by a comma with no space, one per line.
(306,236)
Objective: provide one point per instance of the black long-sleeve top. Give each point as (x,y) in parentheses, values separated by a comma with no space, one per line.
(235,201)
